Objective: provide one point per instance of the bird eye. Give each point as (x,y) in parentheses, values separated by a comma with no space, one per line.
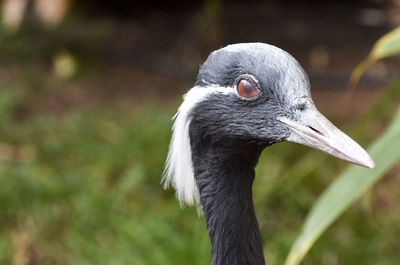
(246,89)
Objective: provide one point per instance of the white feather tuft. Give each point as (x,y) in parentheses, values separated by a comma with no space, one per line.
(179,169)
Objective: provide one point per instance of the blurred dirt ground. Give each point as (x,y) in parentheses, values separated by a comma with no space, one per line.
(152,53)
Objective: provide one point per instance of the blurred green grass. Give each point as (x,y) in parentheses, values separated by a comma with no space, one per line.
(84,188)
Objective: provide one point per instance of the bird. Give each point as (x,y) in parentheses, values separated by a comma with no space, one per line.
(246,97)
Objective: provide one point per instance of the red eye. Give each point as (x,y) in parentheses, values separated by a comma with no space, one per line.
(246,89)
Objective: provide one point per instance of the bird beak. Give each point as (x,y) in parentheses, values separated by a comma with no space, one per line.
(316,131)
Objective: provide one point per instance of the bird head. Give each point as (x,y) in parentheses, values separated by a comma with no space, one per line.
(251,94)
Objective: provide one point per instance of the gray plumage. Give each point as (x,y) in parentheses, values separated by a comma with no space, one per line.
(219,135)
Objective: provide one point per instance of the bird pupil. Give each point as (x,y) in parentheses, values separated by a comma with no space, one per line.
(248,87)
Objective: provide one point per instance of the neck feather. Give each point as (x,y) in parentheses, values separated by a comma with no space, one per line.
(224,178)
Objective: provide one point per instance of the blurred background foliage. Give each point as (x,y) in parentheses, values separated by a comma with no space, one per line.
(353,182)
(87,90)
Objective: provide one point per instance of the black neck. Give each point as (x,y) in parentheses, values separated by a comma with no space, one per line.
(224,178)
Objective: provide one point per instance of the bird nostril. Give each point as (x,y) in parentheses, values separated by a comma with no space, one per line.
(315,130)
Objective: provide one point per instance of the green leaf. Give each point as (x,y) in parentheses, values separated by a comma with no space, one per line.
(348,187)
(386,46)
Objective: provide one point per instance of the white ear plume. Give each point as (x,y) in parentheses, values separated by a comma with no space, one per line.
(179,169)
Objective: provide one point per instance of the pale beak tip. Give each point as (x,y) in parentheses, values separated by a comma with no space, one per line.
(371,164)
(368,162)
